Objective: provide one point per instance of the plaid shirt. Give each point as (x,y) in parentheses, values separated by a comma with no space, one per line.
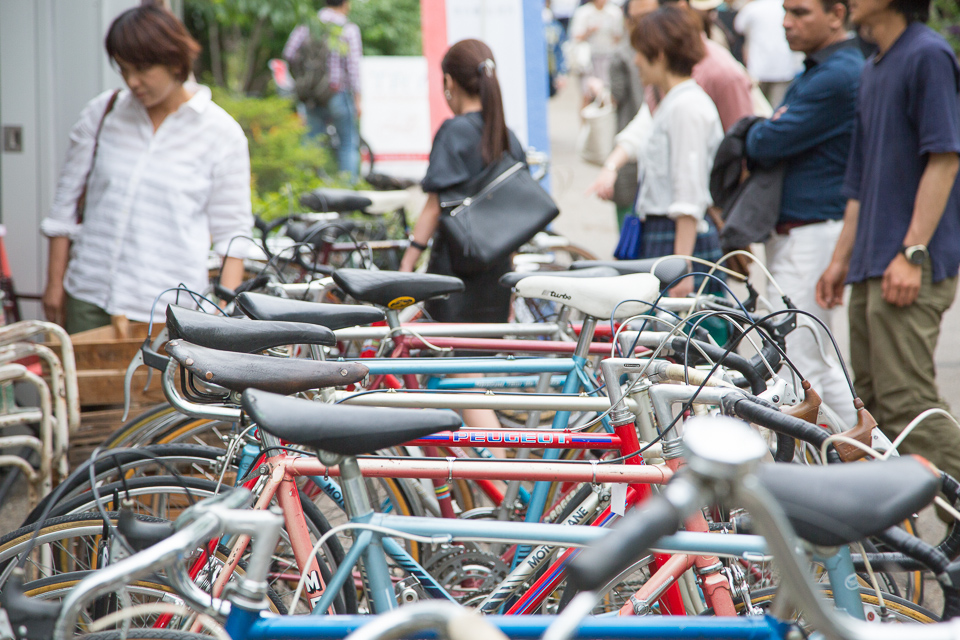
(344,71)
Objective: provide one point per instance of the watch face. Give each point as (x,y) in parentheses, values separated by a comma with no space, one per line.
(916,254)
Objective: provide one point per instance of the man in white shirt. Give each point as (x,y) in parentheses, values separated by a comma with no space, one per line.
(768,56)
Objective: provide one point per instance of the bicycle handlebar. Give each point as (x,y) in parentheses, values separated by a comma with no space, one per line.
(639,530)
(752,410)
(721,476)
(209,518)
(142,534)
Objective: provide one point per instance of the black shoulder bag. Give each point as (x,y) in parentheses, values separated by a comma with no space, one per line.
(489,217)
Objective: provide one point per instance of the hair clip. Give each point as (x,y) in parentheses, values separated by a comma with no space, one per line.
(486,67)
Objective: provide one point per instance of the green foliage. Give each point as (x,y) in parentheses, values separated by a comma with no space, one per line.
(284,163)
(239,36)
(945,18)
(388,27)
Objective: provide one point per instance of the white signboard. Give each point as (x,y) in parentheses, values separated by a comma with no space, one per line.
(396,116)
(499,23)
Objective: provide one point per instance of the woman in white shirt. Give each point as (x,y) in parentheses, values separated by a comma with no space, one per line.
(675,148)
(167,175)
(597,24)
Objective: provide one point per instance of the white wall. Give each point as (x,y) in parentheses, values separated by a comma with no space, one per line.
(51,63)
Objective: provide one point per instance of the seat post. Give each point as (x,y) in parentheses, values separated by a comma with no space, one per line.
(356,500)
(393,318)
(586,337)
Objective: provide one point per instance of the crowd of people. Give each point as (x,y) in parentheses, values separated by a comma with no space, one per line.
(854,171)
(859,159)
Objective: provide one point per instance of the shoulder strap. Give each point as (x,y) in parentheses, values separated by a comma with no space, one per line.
(81,201)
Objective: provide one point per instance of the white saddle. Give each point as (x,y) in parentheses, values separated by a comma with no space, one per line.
(597,297)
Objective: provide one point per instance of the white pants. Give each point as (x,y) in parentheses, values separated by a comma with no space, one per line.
(796,260)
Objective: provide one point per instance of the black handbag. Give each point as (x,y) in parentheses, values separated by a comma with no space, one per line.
(486,219)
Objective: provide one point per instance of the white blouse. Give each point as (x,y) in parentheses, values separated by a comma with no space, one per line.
(156,201)
(675,150)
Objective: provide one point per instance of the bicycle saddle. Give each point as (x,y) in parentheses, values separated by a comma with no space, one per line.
(393,289)
(511,278)
(597,297)
(240,334)
(332,316)
(317,234)
(667,271)
(239,371)
(346,430)
(334,200)
(841,503)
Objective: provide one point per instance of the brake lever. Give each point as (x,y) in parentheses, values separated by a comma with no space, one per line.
(128,379)
(146,355)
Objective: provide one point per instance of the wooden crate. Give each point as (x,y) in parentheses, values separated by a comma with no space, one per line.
(102,360)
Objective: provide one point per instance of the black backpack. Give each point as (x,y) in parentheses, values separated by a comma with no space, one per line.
(309,66)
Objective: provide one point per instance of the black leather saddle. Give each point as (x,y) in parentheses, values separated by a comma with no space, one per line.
(346,430)
(334,200)
(839,504)
(667,271)
(332,316)
(240,334)
(510,279)
(318,234)
(239,371)
(393,289)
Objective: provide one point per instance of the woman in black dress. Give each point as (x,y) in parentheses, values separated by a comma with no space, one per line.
(465,144)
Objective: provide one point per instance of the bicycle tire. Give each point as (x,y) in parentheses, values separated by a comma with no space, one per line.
(54,532)
(902,609)
(182,459)
(83,529)
(143,590)
(153,415)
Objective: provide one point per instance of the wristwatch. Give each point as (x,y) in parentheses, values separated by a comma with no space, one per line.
(915,254)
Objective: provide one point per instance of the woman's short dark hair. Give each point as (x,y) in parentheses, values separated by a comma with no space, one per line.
(149,35)
(470,63)
(912,10)
(674,32)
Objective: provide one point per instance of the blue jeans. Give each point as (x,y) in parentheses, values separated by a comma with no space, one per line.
(341,113)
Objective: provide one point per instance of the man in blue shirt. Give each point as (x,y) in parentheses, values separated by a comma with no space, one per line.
(900,244)
(810,133)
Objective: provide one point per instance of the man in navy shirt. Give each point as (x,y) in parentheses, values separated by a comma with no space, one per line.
(900,244)
(810,133)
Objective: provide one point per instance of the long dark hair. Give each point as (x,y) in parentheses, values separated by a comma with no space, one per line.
(470,63)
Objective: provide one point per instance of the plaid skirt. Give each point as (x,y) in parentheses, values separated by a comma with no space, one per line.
(657,238)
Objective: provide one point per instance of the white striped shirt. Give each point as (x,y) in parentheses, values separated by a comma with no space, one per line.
(155,201)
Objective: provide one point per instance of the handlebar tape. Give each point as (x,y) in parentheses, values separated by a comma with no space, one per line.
(32,618)
(141,534)
(748,409)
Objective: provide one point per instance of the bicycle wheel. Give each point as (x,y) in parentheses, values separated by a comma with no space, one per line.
(147,461)
(902,610)
(65,544)
(146,421)
(139,592)
(166,497)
